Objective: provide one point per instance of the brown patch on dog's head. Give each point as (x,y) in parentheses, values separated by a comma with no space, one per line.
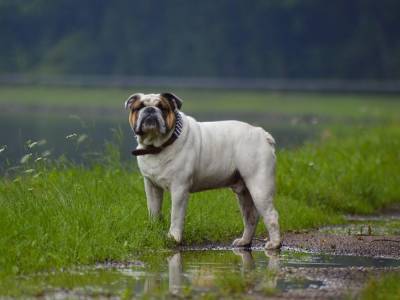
(173,100)
(134,112)
(132,99)
(168,111)
(134,104)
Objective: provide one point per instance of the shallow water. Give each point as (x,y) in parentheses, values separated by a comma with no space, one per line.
(82,137)
(196,273)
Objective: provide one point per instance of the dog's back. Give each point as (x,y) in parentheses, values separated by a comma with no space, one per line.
(223,145)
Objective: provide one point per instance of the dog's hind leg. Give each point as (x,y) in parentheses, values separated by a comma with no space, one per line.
(249,213)
(262,187)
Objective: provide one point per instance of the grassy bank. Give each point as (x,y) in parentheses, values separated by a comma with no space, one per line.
(58,214)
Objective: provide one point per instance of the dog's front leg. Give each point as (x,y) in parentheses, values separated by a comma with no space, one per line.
(179,198)
(154,195)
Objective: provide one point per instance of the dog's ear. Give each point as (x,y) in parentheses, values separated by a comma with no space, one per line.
(132,99)
(174,100)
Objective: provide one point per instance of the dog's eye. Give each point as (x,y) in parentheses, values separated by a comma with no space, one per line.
(160,106)
(137,108)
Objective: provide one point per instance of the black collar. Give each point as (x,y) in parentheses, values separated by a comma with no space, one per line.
(171,140)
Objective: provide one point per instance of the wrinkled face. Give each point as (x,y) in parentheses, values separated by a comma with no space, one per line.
(152,114)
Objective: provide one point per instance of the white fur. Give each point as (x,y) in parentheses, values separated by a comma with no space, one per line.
(208,155)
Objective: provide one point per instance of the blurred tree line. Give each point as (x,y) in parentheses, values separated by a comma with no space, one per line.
(224,38)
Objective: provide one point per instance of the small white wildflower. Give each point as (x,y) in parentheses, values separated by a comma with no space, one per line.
(46,153)
(42,142)
(25,158)
(70,136)
(81,138)
(31,145)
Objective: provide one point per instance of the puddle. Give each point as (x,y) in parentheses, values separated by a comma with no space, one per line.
(218,273)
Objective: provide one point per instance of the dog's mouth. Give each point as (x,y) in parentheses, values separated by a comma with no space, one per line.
(149,124)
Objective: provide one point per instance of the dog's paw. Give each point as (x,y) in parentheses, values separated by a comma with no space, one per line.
(241,243)
(174,236)
(271,245)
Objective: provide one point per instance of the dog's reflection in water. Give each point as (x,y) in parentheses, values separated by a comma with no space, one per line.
(269,278)
(175,273)
(204,276)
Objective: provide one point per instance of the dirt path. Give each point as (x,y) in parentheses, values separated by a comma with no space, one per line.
(362,245)
(324,240)
(387,245)
(314,241)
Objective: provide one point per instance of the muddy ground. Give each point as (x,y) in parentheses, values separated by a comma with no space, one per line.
(315,241)
(362,245)
(365,244)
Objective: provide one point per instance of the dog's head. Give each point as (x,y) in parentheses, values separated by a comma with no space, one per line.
(152,114)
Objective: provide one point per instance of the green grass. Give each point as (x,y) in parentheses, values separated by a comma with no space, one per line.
(198,100)
(384,288)
(59,214)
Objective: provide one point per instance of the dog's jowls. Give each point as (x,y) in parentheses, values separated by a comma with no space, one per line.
(179,154)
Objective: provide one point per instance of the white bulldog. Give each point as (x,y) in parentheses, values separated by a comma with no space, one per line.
(179,154)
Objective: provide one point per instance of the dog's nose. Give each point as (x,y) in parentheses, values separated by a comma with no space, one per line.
(150,110)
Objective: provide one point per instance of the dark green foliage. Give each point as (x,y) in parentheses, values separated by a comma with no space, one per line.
(276,38)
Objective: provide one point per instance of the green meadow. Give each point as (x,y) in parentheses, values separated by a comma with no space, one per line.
(56,213)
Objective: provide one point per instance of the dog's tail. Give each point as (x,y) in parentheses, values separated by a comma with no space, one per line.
(271,142)
(270,139)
